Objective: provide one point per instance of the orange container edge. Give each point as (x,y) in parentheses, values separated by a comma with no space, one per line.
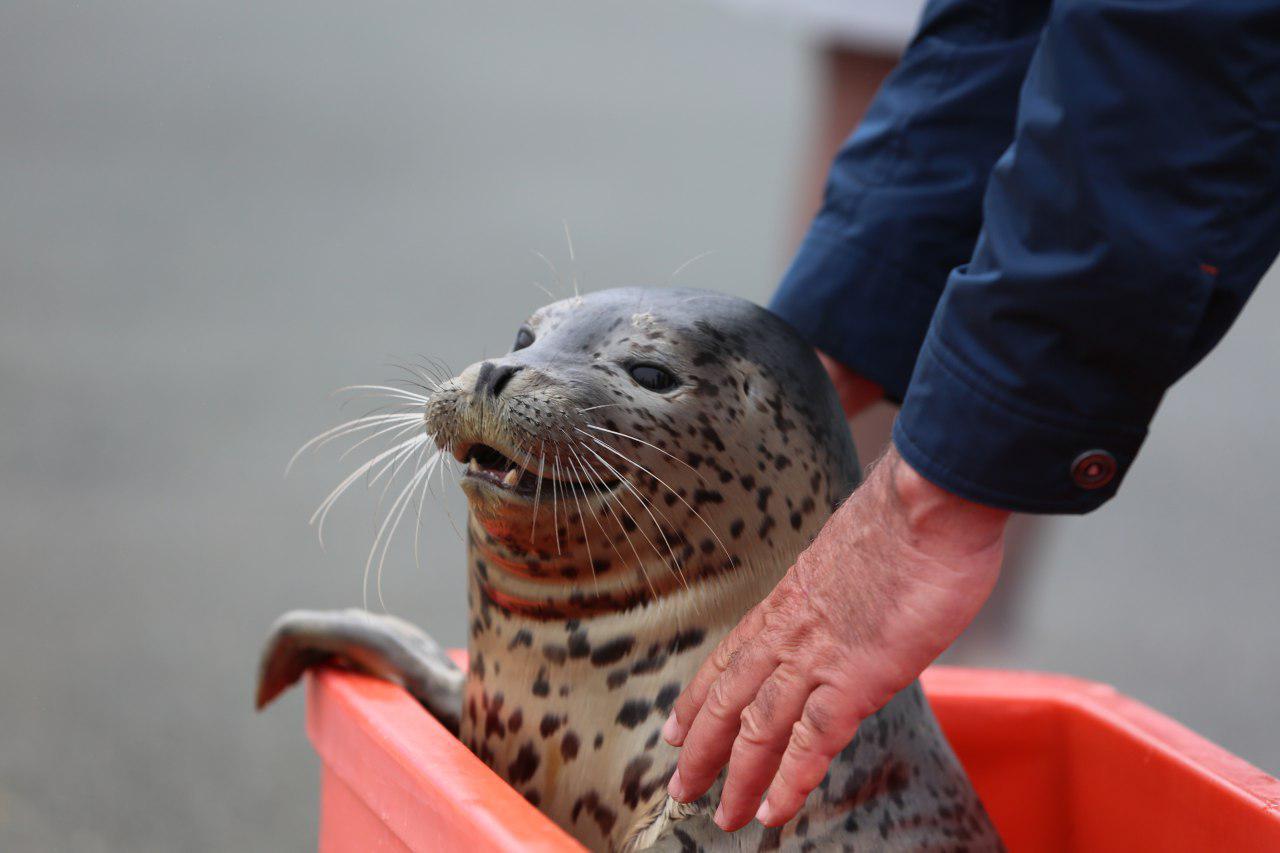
(1061,764)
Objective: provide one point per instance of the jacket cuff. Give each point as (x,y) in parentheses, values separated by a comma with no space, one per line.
(960,433)
(857,307)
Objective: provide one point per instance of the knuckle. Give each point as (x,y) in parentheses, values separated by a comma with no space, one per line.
(767,699)
(754,727)
(802,741)
(816,719)
(725,655)
(777,617)
(807,742)
(717,702)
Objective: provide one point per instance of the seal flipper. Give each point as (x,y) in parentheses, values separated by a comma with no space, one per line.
(378,645)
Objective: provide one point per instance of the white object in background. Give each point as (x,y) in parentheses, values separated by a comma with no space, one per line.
(876,26)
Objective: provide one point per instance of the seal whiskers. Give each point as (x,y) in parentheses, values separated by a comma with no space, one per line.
(703,439)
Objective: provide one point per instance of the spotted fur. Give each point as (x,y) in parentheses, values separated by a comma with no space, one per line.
(662,517)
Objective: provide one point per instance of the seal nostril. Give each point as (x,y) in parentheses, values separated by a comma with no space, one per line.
(493,378)
(504,375)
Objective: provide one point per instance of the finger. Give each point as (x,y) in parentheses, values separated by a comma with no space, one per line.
(691,699)
(762,739)
(706,748)
(826,726)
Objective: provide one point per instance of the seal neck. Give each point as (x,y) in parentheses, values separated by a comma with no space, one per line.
(541,580)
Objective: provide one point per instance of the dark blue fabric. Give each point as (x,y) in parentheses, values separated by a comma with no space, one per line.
(1101,179)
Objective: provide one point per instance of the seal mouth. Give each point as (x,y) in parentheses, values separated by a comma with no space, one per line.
(490,466)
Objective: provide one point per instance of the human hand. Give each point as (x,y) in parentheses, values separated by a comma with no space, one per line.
(856,393)
(894,576)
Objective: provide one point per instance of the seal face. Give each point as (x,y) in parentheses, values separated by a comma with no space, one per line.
(641,469)
(635,442)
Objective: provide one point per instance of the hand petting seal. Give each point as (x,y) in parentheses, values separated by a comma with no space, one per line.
(641,470)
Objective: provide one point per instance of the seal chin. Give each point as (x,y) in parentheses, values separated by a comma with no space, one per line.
(493,473)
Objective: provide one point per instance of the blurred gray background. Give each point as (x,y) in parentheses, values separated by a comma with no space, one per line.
(211,215)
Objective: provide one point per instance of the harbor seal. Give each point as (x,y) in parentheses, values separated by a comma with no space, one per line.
(641,469)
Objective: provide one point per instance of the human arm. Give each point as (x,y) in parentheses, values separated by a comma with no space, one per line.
(1123,230)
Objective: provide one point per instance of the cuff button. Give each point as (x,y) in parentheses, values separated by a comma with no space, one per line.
(1093,469)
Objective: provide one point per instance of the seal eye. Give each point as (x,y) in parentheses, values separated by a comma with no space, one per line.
(652,377)
(524,338)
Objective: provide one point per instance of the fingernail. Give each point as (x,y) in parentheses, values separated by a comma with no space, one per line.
(765,814)
(671,730)
(719,818)
(675,788)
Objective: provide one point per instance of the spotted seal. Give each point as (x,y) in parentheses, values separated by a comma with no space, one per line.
(641,469)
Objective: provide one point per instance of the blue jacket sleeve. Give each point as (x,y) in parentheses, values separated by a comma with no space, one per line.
(1131,217)
(903,203)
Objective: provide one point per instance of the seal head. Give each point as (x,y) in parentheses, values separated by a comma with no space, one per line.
(636,441)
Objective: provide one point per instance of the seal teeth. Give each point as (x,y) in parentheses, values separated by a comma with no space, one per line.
(511,477)
(473,465)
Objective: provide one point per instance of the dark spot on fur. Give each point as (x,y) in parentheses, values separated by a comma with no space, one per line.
(667,697)
(578,645)
(569,746)
(612,651)
(492,719)
(550,723)
(634,712)
(632,777)
(541,686)
(525,765)
(690,638)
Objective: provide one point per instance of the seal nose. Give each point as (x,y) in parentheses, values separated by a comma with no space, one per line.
(493,378)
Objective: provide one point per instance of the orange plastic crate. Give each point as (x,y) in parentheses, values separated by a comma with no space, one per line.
(1062,765)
